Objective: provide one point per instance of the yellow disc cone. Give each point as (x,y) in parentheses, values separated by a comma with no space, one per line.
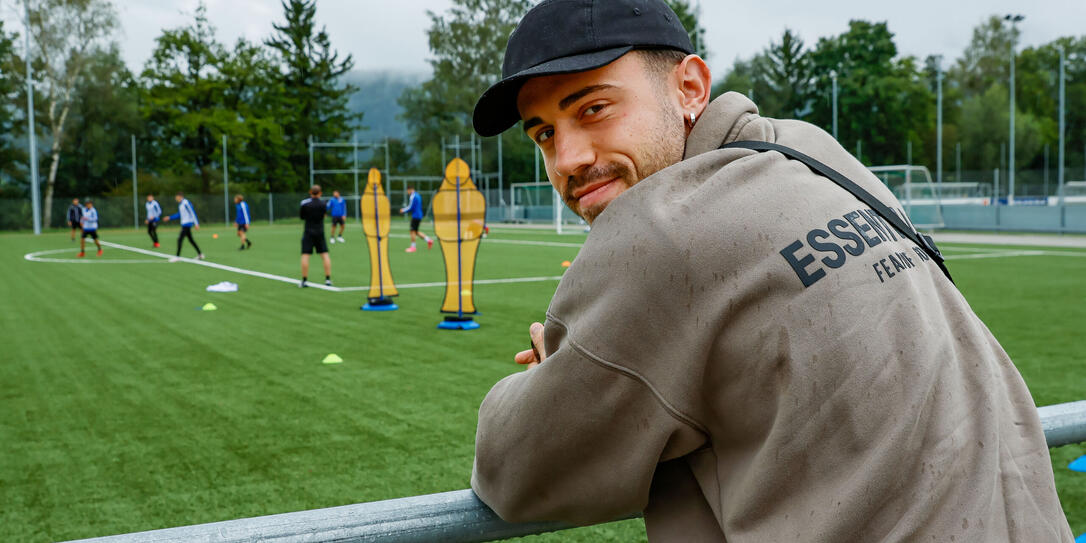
(209,307)
(332,359)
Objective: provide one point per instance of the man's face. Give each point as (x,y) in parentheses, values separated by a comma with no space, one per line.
(178,198)
(89,205)
(75,201)
(604,130)
(150,198)
(335,194)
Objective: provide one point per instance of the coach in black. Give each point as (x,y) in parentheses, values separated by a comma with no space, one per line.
(312,212)
(75,213)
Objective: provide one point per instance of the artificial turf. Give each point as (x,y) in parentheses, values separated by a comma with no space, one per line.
(125,408)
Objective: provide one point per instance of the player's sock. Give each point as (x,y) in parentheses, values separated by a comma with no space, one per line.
(412,245)
(248,242)
(302,284)
(328,280)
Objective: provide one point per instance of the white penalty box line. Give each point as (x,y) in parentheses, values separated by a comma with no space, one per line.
(293,281)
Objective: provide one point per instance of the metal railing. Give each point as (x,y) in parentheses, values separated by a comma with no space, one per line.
(451,517)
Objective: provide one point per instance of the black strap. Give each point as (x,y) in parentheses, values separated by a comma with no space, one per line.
(923,241)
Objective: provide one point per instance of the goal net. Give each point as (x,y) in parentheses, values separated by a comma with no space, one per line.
(912,186)
(540,203)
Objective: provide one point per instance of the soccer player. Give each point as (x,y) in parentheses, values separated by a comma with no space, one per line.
(241,217)
(312,212)
(154,214)
(414,206)
(89,223)
(337,208)
(187,215)
(720,357)
(75,212)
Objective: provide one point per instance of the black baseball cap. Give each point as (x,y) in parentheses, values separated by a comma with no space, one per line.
(568,36)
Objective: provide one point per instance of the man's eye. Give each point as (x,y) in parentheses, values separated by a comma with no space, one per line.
(592,110)
(544,135)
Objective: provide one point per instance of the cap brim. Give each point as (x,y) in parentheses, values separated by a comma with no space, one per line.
(496,110)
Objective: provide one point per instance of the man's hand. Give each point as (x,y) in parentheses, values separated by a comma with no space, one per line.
(166,218)
(534,356)
(196,226)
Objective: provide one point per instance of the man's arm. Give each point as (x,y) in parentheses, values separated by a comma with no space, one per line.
(575,439)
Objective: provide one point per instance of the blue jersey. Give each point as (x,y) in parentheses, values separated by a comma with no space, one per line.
(242,213)
(90,219)
(186,213)
(337,207)
(415,206)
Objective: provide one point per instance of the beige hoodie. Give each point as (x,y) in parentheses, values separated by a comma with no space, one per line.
(746,354)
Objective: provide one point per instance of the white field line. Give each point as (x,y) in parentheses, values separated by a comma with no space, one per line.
(37,257)
(321,286)
(1001,254)
(477,282)
(223,267)
(994,255)
(516,242)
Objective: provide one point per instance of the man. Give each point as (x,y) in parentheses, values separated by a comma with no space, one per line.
(75,213)
(312,212)
(187,215)
(337,208)
(154,214)
(241,217)
(414,207)
(89,223)
(741,350)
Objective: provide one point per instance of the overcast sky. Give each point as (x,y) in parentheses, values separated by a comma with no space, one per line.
(391,34)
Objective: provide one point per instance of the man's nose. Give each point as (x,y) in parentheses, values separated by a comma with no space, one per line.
(573,152)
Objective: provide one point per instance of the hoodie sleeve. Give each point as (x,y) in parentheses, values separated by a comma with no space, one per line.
(574,439)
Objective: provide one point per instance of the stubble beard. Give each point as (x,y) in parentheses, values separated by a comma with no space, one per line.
(664,147)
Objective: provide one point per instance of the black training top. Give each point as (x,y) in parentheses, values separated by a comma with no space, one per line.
(312,213)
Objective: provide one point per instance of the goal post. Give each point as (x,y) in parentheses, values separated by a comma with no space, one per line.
(540,203)
(913,187)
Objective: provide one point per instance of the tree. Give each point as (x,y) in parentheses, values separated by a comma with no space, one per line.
(183,98)
(313,98)
(784,70)
(104,115)
(10,125)
(468,44)
(883,101)
(196,92)
(64,32)
(689,16)
(986,60)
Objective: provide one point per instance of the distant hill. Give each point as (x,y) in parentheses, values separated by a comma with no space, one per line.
(376,98)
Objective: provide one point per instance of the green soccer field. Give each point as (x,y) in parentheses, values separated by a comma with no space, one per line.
(125,407)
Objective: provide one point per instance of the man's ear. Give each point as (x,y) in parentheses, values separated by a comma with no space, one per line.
(695,84)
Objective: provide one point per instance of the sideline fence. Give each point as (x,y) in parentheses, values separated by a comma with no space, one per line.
(452,517)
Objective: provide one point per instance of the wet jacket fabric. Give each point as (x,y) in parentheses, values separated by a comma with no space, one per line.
(746,353)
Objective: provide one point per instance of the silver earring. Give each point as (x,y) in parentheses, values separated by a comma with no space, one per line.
(691,119)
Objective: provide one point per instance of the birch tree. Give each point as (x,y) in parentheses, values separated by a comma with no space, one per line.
(64,33)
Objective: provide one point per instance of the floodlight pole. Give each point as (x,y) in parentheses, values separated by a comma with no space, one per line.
(135,188)
(225,185)
(833,76)
(958,162)
(35,198)
(1014,19)
(939,120)
(1063,126)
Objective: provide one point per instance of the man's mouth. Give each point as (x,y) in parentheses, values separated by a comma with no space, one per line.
(592,187)
(596,192)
